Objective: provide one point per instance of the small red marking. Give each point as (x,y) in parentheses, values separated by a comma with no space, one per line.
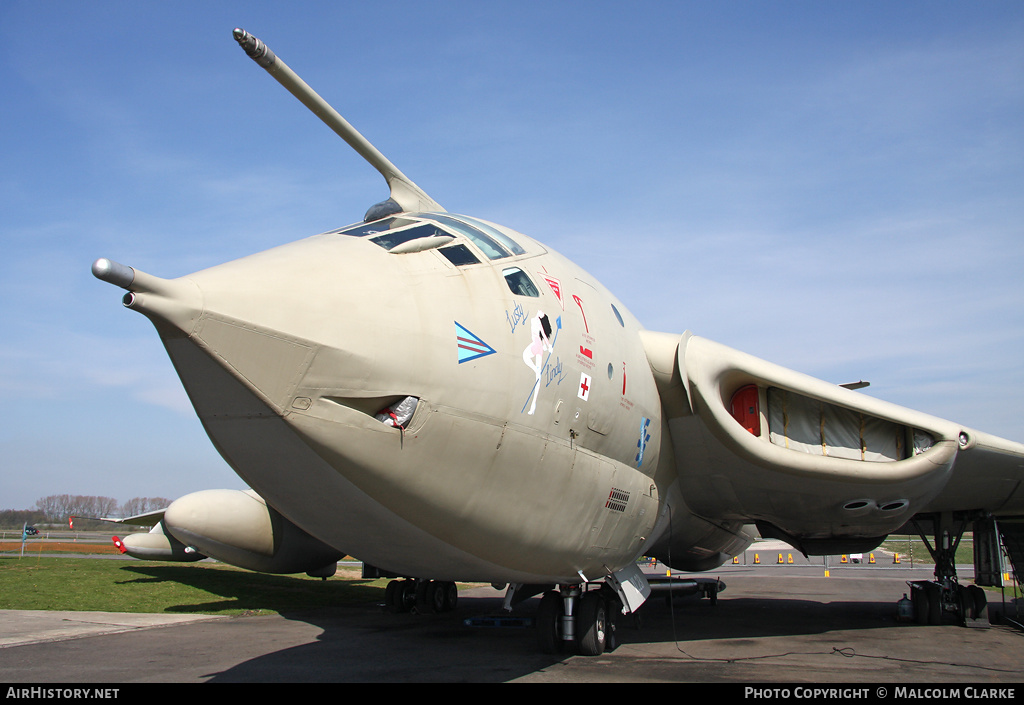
(556,287)
(579,303)
(584,392)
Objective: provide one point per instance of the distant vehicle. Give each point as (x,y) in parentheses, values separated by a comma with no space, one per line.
(31,531)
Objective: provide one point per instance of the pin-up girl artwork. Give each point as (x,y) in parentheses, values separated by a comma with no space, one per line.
(533,355)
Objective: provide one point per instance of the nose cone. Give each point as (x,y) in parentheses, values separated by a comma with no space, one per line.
(281,346)
(278,319)
(175,301)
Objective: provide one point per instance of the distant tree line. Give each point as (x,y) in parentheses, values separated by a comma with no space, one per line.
(17,518)
(56,508)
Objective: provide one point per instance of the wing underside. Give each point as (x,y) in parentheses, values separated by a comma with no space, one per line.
(814,462)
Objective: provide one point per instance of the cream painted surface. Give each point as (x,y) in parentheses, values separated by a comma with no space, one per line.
(309,334)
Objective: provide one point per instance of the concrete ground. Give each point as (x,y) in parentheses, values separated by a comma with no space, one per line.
(773,624)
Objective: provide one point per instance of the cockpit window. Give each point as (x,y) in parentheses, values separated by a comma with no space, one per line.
(490,248)
(519,282)
(377,226)
(618,316)
(496,234)
(393,231)
(459,255)
(390,240)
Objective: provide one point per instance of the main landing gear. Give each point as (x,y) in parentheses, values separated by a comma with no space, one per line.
(575,617)
(421,596)
(933,600)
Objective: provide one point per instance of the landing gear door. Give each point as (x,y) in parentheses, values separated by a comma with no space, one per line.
(631,587)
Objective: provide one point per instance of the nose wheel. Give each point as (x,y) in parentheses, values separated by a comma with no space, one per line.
(577,619)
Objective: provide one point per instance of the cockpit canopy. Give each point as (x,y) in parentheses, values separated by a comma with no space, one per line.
(450,235)
(395,232)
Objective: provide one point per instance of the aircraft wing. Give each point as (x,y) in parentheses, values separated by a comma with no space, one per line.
(147,519)
(812,462)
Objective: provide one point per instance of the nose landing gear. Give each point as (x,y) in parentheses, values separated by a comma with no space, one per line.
(576,618)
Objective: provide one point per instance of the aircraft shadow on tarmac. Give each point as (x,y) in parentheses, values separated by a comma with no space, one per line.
(366,644)
(362,641)
(359,639)
(752,617)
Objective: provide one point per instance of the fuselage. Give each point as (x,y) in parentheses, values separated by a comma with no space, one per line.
(533,454)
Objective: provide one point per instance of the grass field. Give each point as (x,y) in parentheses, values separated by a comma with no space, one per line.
(36,582)
(39,581)
(907,546)
(35,547)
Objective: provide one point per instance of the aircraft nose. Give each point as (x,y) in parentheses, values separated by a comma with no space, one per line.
(176,301)
(256,319)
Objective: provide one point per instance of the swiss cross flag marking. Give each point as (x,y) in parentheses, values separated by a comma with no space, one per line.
(584,392)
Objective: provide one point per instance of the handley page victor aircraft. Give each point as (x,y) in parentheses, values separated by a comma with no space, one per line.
(494,414)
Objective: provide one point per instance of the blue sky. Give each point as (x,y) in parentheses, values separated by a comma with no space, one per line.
(834,187)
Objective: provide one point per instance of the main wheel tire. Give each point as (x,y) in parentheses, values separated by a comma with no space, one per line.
(436,596)
(934,603)
(919,599)
(976,602)
(592,624)
(429,599)
(451,596)
(549,618)
(613,611)
(394,597)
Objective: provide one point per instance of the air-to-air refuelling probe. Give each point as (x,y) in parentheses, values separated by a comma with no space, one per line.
(447,400)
